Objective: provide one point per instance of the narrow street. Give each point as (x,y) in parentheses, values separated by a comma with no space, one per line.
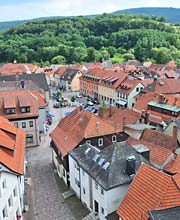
(45,201)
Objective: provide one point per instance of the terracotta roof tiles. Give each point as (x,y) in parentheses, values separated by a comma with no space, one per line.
(77,126)
(12,146)
(150,190)
(159,138)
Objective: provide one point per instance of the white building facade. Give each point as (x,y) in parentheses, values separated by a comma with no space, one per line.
(11,195)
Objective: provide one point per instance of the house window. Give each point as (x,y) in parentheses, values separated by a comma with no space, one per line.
(102,210)
(4,212)
(4,185)
(64,174)
(114,138)
(84,191)
(15,191)
(88,142)
(10,111)
(96,185)
(77,182)
(102,191)
(10,201)
(29,138)
(30,123)
(25,109)
(23,124)
(100,141)
(16,124)
(137,89)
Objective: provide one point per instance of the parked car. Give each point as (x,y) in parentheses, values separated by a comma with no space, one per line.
(96,102)
(56,105)
(90,103)
(78,96)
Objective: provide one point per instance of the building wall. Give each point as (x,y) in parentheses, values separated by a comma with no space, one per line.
(41,118)
(75,84)
(108,200)
(33,131)
(107,94)
(74,176)
(169,130)
(133,93)
(12,192)
(61,171)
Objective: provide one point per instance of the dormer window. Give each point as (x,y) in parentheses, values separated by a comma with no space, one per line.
(100,141)
(25,109)
(114,138)
(10,111)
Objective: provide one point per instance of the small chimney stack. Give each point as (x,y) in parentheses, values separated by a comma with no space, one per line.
(146,117)
(124,121)
(175,132)
(22,84)
(131,165)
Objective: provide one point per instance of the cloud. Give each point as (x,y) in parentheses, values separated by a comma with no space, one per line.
(27,9)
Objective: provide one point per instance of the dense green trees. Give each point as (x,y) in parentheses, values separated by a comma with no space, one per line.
(82,39)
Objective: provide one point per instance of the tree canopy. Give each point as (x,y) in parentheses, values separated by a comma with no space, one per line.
(82,39)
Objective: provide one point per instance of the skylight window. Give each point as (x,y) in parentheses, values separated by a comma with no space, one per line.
(101,161)
(95,157)
(106,165)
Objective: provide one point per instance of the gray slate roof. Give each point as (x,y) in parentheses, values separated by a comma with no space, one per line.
(165,214)
(39,79)
(69,74)
(116,155)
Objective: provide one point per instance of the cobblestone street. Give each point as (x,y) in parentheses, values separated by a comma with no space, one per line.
(43,195)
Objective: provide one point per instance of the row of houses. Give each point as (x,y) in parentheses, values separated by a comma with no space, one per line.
(98,157)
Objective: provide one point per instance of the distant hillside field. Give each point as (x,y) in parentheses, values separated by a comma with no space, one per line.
(171,14)
(83,39)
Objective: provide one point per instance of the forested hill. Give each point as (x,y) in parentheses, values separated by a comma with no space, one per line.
(171,14)
(82,39)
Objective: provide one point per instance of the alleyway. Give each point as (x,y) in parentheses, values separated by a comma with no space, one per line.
(43,196)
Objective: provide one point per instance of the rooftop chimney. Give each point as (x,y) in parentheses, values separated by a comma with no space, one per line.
(175,132)
(22,84)
(131,165)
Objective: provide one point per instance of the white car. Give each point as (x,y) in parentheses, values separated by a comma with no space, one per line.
(78,96)
(90,103)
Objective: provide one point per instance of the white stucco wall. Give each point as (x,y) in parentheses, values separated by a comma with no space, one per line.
(110,200)
(12,182)
(132,94)
(41,118)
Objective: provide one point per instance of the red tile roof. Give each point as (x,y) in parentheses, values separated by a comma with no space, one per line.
(128,85)
(158,154)
(150,190)
(159,138)
(100,73)
(165,86)
(12,146)
(14,68)
(11,100)
(173,167)
(114,116)
(77,126)
(61,70)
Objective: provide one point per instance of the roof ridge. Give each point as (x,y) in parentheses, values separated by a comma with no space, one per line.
(85,130)
(163,193)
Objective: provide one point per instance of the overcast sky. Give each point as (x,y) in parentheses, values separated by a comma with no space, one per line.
(27,9)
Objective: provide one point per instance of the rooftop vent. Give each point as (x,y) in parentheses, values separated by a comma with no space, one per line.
(131,165)
(87,150)
(97,123)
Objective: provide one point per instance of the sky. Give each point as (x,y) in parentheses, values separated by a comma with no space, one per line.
(28,9)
